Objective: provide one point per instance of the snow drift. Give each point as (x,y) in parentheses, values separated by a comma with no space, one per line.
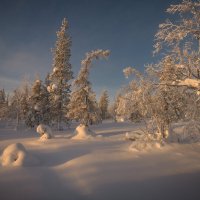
(44,131)
(16,155)
(83,132)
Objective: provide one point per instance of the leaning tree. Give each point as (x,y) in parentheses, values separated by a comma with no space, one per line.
(83,106)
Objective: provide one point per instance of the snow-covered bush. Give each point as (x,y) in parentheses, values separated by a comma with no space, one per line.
(44,131)
(142,142)
(83,132)
(16,155)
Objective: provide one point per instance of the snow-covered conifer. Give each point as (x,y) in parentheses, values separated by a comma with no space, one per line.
(58,82)
(38,105)
(25,92)
(103,104)
(3,105)
(83,106)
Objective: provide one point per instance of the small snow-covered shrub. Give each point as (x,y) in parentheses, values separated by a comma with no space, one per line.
(16,155)
(44,131)
(45,136)
(144,141)
(83,132)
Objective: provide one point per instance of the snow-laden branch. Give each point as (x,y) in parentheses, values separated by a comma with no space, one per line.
(192,83)
(87,62)
(96,54)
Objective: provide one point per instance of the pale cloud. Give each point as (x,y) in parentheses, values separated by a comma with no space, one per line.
(21,62)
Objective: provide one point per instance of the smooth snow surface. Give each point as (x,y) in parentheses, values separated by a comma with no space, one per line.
(101,168)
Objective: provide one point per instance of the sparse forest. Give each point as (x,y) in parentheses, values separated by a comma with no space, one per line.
(167,92)
(59,139)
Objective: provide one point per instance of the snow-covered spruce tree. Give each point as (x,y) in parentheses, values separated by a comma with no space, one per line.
(83,106)
(59,87)
(25,91)
(38,105)
(3,105)
(103,104)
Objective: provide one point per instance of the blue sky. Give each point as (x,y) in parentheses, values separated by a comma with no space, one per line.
(125,27)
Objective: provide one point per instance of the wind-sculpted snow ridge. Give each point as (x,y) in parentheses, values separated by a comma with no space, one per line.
(83,132)
(44,131)
(16,155)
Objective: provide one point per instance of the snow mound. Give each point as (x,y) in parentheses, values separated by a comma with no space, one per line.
(143,142)
(83,132)
(45,136)
(16,155)
(44,131)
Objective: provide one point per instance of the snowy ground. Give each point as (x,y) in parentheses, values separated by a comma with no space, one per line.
(100,168)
